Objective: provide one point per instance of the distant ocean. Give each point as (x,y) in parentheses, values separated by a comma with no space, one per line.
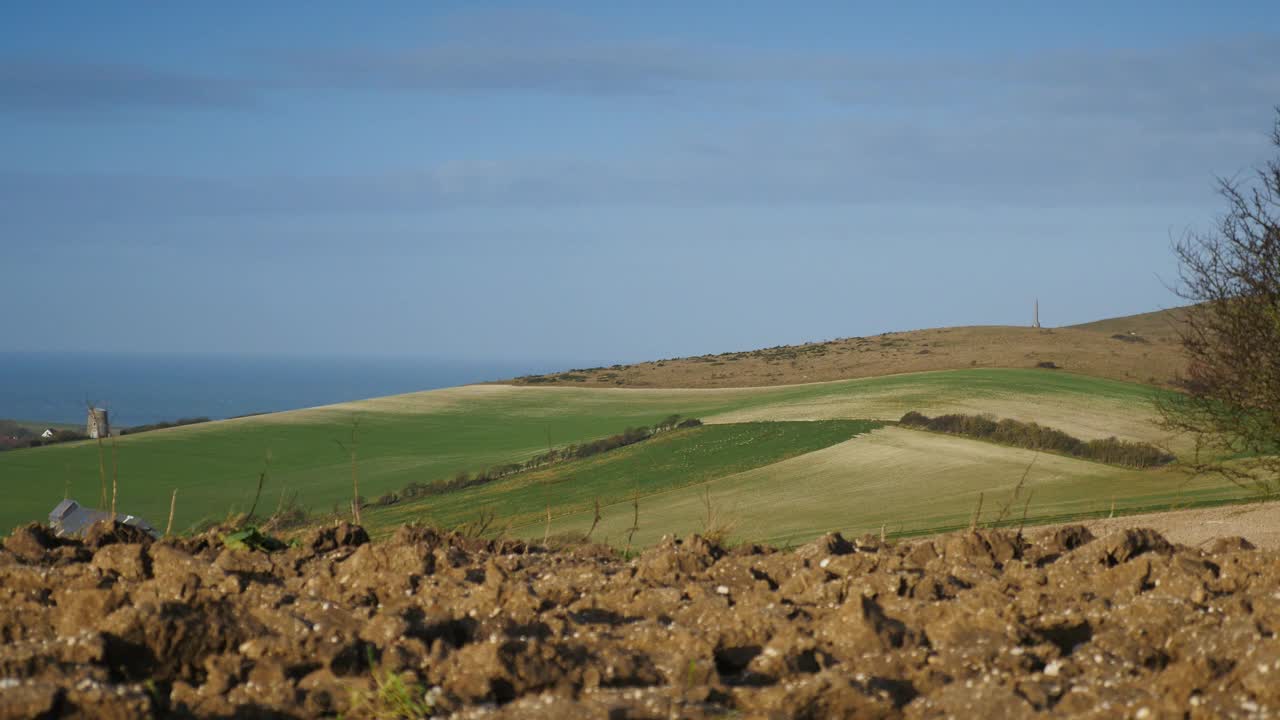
(139,389)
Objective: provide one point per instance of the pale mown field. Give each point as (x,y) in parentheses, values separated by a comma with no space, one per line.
(903,481)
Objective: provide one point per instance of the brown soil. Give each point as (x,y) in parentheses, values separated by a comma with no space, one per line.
(1258,522)
(977,624)
(1140,348)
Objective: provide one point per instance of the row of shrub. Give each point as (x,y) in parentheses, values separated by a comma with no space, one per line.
(464,479)
(1032,436)
(776,353)
(162,425)
(571,376)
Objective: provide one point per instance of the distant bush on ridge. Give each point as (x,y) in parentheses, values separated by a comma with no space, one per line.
(163,425)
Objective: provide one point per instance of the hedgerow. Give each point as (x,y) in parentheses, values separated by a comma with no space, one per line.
(1033,436)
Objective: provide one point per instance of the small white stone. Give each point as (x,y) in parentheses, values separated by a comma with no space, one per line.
(722,590)
(1052,669)
(1142,714)
(825,562)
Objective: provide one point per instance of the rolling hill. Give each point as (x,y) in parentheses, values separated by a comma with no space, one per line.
(802,459)
(1138,348)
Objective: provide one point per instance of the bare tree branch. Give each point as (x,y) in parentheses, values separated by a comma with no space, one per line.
(1231,276)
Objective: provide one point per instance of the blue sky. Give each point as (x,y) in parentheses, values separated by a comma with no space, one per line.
(590,183)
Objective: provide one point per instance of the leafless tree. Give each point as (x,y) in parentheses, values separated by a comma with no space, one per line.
(1230,402)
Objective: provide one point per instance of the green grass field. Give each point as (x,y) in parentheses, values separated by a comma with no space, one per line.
(666,462)
(431,436)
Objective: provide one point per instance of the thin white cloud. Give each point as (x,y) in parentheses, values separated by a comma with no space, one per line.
(42,84)
(1103,127)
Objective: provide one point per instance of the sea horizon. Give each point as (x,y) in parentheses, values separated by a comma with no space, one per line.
(142,388)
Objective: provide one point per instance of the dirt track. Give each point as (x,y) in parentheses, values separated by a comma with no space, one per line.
(981,624)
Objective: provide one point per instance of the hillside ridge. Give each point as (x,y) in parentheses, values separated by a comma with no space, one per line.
(1140,348)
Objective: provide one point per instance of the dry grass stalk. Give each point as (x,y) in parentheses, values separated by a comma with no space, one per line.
(977,514)
(635,523)
(478,527)
(280,503)
(102,476)
(595,520)
(115,476)
(173,504)
(1025,507)
(262,480)
(1017,490)
(351,449)
(714,526)
(102,464)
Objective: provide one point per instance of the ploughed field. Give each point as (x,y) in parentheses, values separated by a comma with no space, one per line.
(983,623)
(772,464)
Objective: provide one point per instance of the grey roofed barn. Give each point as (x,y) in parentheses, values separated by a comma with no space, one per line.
(69,519)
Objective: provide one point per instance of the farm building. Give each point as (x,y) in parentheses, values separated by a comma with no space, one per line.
(69,519)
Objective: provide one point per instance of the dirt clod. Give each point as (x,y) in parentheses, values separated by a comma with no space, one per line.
(107,532)
(982,623)
(31,542)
